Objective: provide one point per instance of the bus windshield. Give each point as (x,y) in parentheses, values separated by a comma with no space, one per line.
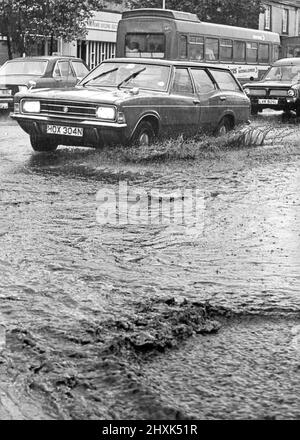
(129,75)
(283,73)
(145,45)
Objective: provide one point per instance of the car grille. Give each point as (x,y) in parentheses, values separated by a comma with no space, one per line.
(278,92)
(257,92)
(67,109)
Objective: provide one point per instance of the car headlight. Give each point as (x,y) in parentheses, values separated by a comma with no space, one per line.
(23,88)
(247,91)
(106,113)
(31,106)
(291,92)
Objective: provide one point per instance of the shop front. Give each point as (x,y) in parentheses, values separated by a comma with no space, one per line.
(100,41)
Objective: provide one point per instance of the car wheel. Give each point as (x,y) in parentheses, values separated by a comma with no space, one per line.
(144,134)
(40,143)
(224,127)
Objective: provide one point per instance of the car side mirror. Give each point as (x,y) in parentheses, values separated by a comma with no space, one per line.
(31,84)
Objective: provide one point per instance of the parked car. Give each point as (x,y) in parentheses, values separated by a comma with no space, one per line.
(133,101)
(279,89)
(20,74)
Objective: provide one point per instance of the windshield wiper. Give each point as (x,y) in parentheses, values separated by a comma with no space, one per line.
(101,74)
(132,75)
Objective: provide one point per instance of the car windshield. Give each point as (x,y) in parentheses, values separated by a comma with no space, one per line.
(23,68)
(129,75)
(283,73)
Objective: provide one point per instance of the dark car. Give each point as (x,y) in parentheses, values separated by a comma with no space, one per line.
(133,101)
(20,74)
(279,89)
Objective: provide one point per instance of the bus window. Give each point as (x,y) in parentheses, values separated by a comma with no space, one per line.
(211,49)
(263,53)
(183,46)
(182,82)
(196,48)
(275,52)
(251,52)
(146,45)
(225,50)
(239,51)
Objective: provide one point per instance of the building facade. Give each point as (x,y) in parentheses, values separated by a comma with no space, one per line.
(100,41)
(281,16)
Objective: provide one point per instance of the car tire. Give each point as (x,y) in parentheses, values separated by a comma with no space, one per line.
(298,111)
(42,144)
(144,134)
(224,126)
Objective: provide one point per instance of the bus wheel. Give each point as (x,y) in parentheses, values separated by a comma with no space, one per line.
(42,144)
(224,126)
(144,134)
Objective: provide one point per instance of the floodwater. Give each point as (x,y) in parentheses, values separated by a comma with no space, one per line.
(149,321)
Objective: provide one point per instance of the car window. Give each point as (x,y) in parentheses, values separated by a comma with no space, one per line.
(225,81)
(182,81)
(283,73)
(24,68)
(63,68)
(80,69)
(203,82)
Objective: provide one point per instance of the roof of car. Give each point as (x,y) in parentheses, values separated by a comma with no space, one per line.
(166,62)
(285,61)
(46,58)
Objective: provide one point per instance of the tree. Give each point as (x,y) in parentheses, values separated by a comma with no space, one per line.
(25,21)
(232,12)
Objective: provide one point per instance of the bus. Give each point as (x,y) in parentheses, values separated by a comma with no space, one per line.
(176,35)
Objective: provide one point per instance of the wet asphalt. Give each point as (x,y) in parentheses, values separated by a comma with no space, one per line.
(108,321)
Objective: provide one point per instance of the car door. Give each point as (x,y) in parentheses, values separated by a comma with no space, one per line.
(209,99)
(181,113)
(63,74)
(232,99)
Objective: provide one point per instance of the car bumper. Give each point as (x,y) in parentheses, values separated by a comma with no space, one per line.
(282,104)
(95,133)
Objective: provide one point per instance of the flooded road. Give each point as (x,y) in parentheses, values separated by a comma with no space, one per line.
(138,322)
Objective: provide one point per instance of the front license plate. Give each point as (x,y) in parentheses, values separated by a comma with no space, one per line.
(268,101)
(4,105)
(64,130)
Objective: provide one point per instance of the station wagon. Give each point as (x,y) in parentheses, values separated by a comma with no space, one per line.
(128,101)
